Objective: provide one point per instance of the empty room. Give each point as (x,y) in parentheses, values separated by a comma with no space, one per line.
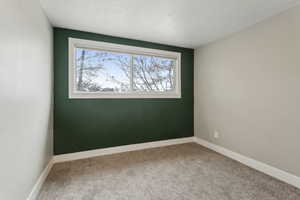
(150,100)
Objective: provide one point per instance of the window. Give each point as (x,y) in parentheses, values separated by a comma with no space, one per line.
(107,70)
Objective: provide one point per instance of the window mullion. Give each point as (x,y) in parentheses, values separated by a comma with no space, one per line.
(131,74)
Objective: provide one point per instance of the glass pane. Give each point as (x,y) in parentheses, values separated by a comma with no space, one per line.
(100,71)
(153,74)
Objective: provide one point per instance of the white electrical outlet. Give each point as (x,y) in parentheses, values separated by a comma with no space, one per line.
(216,134)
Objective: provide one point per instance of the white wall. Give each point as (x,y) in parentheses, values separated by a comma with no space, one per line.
(247,87)
(25,96)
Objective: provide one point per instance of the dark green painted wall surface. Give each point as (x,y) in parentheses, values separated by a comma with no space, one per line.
(86,124)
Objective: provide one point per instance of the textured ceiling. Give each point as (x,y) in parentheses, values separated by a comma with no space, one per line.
(186,23)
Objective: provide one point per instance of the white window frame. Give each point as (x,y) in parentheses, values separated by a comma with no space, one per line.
(132,50)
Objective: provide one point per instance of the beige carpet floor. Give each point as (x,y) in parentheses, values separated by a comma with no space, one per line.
(179,172)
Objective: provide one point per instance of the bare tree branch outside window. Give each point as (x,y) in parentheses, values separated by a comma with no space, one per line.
(102,71)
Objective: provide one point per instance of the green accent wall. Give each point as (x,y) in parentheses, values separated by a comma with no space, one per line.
(86,124)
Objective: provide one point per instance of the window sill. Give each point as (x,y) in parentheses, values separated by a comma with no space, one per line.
(124,96)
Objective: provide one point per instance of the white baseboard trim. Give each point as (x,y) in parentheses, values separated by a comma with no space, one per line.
(119,149)
(38,185)
(260,166)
